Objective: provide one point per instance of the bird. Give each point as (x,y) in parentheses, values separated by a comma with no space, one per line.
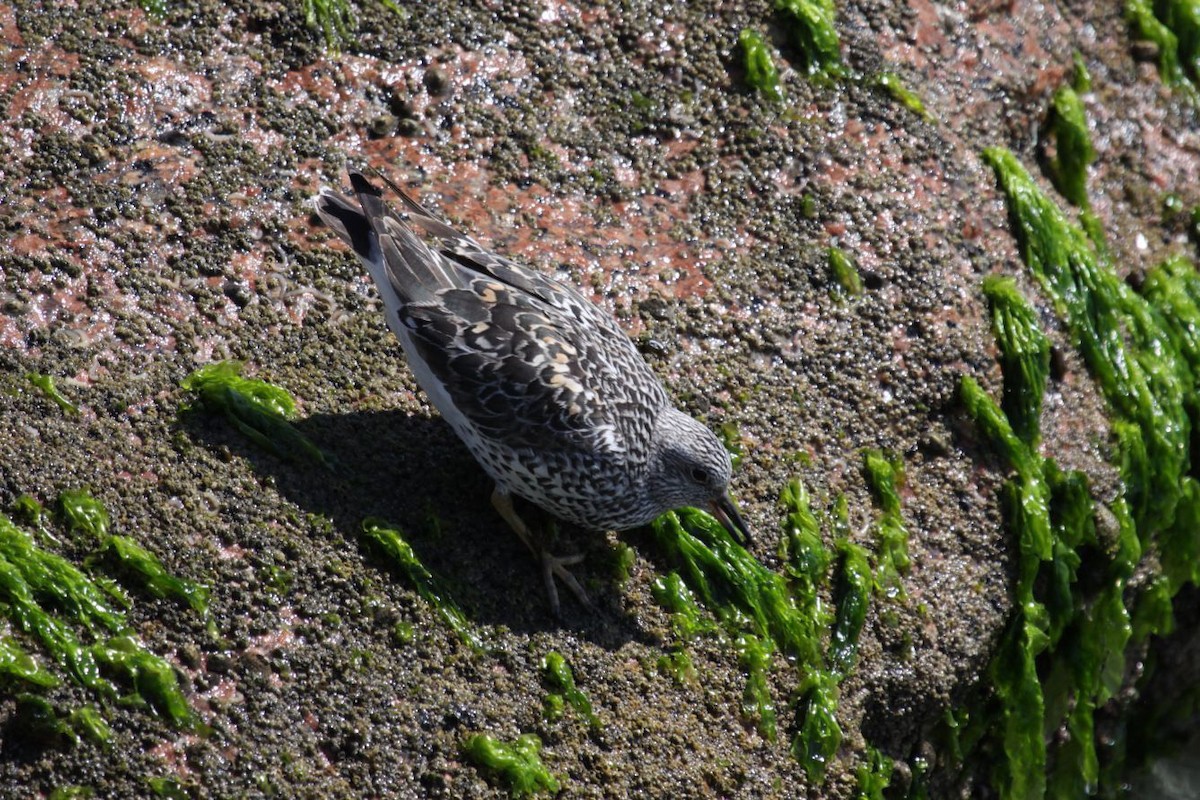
(547,392)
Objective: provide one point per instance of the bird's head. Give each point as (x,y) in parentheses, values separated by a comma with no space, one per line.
(690,467)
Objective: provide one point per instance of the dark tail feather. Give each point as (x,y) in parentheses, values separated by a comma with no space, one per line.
(348,223)
(370,198)
(418,214)
(410,205)
(413,271)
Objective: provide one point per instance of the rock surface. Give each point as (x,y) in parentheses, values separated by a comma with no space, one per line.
(154,187)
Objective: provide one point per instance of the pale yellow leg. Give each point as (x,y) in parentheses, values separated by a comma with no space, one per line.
(551,565)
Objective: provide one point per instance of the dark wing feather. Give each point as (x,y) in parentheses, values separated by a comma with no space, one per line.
(467,252)
(527,360)
(524,374)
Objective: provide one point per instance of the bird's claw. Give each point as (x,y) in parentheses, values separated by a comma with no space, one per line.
(552,566)
(556,566)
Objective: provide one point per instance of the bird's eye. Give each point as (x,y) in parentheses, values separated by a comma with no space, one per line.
(699,475)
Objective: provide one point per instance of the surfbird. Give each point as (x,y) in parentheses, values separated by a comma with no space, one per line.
(548,393)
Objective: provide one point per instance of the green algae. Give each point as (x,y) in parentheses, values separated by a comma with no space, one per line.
(1028,497)
(517,765)
(765,613)
(276,579)
(891,558)
(844,271)
(687,622)
(735,445)
(1017,694)
(1154,612)
(807,562)
(761,73)
(154,8)
(1179,545)
(874,776)
(46,384)
(144,568)
(1081,79)
(891,83)
(1066,124)
(819,736)
(83,513)
(624,557)
(1172,204)
(677,665)
(810,25)
(920,768)
(641,102)
(672,593)
(731,583)
(333,19)
(808,206)
(1174,26)
(1173,289)
(16,663)
(805,557)
(54,635)
(32,579)
(1018,701)
(38,721)
(1071,526)
(1063,654)
(1024,356)
(1146,25)
(557,674)
(554,707)
(1119,334)
(852,597)
(29,511)
(31,571)
(169,788)
(259,410)
(1086,671)
(152,678)
(754,656)
(752,604)
(88,724)
(391,544)
(1020,772)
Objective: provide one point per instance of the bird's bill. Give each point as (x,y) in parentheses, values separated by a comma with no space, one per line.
(725,511)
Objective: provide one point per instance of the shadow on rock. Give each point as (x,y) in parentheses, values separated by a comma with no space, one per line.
(414,473)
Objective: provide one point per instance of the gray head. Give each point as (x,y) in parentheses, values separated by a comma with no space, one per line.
(690,467)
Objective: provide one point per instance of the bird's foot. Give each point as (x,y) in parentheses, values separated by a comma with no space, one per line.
(552,566)
(556,567)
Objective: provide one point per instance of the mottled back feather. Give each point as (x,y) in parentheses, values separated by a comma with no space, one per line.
(530,363)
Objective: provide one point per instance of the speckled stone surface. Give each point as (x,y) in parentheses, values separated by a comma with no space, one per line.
(154,178)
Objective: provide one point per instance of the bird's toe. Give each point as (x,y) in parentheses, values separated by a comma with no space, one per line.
(556,567)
